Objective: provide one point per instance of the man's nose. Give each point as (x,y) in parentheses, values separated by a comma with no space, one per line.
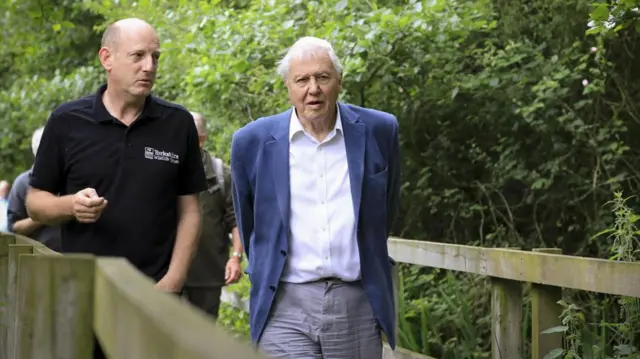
(314,87)
(149,64)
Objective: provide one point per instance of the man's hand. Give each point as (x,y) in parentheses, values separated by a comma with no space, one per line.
(170,284)
(88,206)
(233,271)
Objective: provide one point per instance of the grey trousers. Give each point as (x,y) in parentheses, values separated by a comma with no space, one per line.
(321,320)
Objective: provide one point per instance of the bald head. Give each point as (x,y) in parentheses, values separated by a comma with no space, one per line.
(201,123)
(114,32)
(201,126)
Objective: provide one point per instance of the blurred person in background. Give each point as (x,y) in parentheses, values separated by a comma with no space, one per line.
(212,267)
(18,220)
(4,193)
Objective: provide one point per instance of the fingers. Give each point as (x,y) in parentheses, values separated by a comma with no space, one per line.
(232,275)
(88,206)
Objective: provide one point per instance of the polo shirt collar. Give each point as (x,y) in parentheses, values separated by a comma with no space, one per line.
(100,113)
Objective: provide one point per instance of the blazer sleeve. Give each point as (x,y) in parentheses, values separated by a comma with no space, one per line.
(394,183)
(242,194)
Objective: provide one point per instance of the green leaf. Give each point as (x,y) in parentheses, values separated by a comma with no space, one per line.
(555,353)
(558,329)
(600,12)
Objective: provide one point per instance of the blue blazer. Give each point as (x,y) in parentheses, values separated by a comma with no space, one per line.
(261,197)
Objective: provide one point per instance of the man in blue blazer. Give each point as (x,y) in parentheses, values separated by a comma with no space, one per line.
(315,193)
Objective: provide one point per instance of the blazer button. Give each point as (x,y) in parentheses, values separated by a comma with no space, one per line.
(283,252)
(272,288)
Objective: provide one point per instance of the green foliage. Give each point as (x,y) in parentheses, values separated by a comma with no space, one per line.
(609,17)
(443,315)
(586,340)
(516,126)
(236,321)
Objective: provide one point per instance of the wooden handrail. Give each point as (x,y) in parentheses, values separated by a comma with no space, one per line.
(128,310)
(52,304)
(590,274)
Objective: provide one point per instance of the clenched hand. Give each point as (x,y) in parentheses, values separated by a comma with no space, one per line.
(88,206)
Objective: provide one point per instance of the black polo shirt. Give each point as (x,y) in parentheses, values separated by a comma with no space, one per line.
(140,169)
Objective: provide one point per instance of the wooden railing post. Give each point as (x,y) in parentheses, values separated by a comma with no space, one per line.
(30,296)
(545,314)
(54,315)
(506,319)
(73,299)
(5,241)
(15,252)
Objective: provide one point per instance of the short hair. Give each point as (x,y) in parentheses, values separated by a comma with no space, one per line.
(111,35)
(306,47)
(35,140)
(201,123)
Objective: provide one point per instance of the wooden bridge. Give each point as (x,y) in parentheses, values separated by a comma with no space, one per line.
(52,304)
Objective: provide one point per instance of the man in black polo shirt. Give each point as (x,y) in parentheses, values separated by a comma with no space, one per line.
(126,166)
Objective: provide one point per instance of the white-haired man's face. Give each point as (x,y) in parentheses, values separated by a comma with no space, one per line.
(314,86)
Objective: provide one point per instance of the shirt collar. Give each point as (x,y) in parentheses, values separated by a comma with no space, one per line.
(295,126)
(100,113)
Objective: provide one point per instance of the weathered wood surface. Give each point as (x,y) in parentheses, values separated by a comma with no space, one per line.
(134,320)
(5,241)
(506,318)
(54,307)
(590,274)
(545,314)
(38,248)
(15,252)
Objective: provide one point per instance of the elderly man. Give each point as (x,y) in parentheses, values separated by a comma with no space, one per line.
(212,268)
(17,217)
(316,190)
(121,169)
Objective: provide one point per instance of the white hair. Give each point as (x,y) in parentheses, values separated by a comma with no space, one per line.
(35,140)
(306,47)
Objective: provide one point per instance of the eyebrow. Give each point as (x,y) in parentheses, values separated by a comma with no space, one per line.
(319,73)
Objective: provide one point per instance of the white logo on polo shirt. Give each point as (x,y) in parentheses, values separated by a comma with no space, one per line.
(153,154)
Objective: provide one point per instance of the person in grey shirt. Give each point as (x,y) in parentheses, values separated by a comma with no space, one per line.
(17,218)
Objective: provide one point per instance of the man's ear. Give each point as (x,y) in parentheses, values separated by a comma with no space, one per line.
(105,58)
(201,139)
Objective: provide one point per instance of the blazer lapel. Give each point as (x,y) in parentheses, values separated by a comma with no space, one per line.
(354,141)
(277,152)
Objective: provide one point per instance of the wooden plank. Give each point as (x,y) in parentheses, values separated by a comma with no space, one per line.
(596,275)
(36,338)
(72,303)
(506,319)
(5,241)
(134,320)
(27,302)
(39,248)
(15,251)
(545,314)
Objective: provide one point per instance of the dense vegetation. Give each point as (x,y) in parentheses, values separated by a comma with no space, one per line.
(517,117)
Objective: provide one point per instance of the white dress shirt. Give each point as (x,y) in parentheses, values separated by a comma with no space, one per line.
(322,241)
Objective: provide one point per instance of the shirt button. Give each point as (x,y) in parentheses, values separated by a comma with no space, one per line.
(272,288)
(326,258)
(283,252)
